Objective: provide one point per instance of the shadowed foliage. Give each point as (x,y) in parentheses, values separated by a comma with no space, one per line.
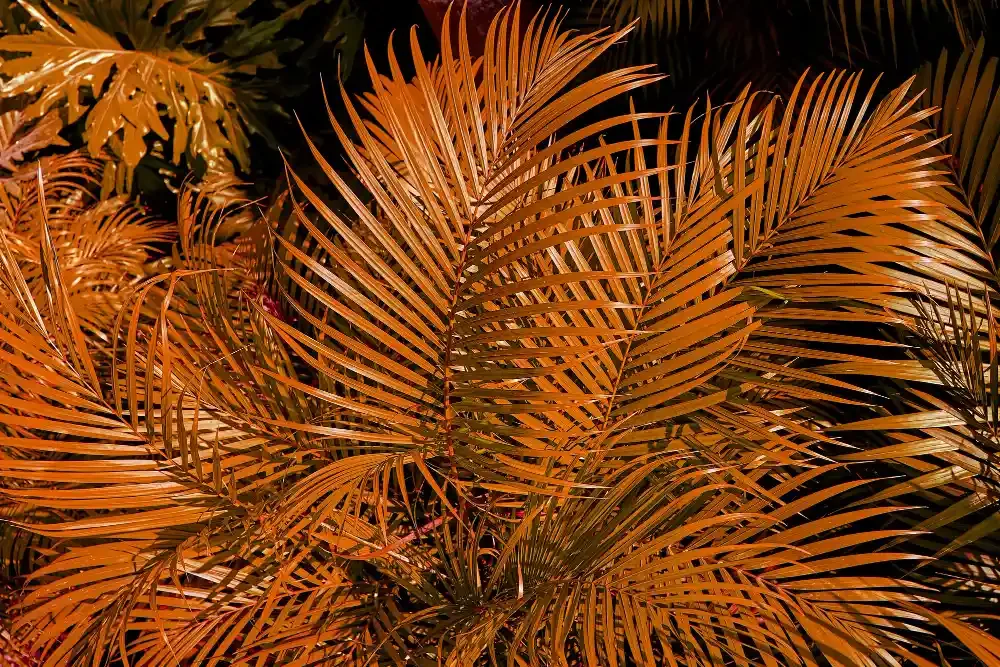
(137,68)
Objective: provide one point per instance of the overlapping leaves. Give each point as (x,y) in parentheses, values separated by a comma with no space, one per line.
(138,72)
(549,398)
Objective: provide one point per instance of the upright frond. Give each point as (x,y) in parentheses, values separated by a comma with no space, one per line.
(463,168)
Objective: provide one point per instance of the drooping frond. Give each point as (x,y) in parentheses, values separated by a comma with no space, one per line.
(154,453)
(941,433)
(966,91)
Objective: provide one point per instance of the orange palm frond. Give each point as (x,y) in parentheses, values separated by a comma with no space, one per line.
(542,388)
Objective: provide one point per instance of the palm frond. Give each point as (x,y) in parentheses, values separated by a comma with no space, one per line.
(102,244)
(941,430)
(969,123)
(66,54)
(441,201)
(562,389)
(659,572)
(966,16)
(661,17)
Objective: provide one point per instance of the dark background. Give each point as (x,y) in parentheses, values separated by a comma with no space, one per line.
(765,43)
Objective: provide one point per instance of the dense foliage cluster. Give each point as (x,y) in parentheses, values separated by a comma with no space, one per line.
(515,364)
